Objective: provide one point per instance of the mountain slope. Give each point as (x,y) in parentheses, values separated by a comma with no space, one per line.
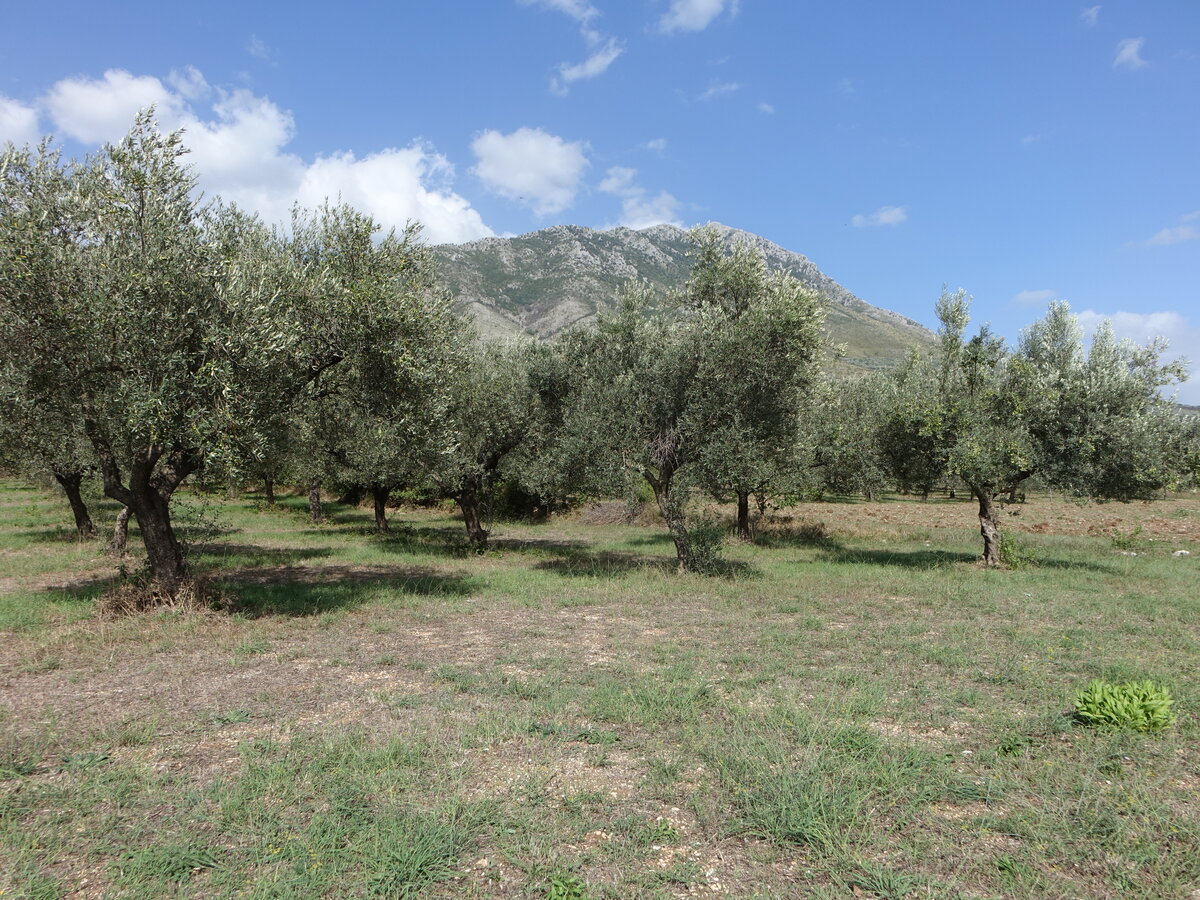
(546,281)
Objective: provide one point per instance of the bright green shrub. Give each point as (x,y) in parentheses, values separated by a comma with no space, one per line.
(1137,705)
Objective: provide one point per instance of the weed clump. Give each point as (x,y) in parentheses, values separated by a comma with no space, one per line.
(140,593)
(1136,705)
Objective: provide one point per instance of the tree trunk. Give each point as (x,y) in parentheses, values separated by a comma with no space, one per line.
(315,511)
(471,504)
(71,482)
(672,513)
(120,535)
(269,490)
(380,494)
(989,528)
(743,515)
(164,553)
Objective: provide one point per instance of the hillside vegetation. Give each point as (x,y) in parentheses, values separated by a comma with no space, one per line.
(544,282)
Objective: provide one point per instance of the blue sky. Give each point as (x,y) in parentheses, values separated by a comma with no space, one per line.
(1022,150)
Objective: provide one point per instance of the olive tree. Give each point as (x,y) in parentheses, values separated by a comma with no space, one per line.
(679,397)
(494,421)
(179,330)
(1091,422)
(366,422)
(765,332)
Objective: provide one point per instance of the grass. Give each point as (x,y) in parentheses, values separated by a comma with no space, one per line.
(867,714)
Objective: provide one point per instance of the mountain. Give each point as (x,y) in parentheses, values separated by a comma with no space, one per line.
(546,281)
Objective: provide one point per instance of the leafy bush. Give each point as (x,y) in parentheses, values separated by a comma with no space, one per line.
(1128,542)
(705,539)
(1138,705)
(566,887)
(1015,553)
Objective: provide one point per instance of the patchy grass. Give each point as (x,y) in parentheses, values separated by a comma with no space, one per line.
(856,708)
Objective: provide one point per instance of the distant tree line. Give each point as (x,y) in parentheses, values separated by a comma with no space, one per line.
(148,339)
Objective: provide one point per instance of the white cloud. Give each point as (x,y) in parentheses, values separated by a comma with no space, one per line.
(885,215)
(638,208)
(605,49)
(395,186)
(847,87)
(259,49)
(719,89)
(658,145)
(765,108)
(1090,16)
(1035,298)
(1129,54)
(540,170)
(693,15)
(1176,234)
(18,122)
(594,65)
(579,10)
(1031,139)
(93,111)
(238,148)
(189,83)
(1183,338)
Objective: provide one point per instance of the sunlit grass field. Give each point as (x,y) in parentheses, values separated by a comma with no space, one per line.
(855,708)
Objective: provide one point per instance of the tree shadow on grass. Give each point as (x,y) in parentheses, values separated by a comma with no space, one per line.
(300,591)
(613,564)
(926,559)
(249,555)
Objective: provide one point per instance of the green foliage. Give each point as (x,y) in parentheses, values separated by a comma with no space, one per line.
(1092,423)
(1131,540)
(1015,552)
(706,538)
(884,883)
(566,887)
(1135,705)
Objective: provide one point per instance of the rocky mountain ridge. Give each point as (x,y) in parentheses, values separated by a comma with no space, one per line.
(544,282)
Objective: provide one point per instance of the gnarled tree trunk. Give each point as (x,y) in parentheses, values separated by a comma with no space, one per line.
(164,553)
(71,483)
(989,527)
(672,513)
(743,515)
(269,490)
(316,512)
(120,534)
(470,501)
(380,494)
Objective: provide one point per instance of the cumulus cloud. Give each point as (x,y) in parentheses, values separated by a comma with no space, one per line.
(1188,229)
(1090,16)
(540,170)
(594,65)
(765,108)
(693,15)
(1035,298)
(1129,54)
(18,122)
(639,209)
(658,145)
(885,215)
(238,147)
(1182,335)
(95,110)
